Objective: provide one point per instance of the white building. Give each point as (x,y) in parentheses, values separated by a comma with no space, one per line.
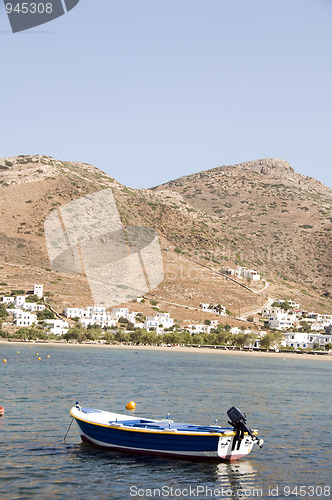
(83,312)
(20,301)
(197,328)
(57,326)
(33,306)
(24,318)
(229,271)
(158,319)
(213,308)
(303,340)
(8,300)
(280,319)
(120,312)
(318,321)
(237,330)
(292,303)
(243,272)
(251,275)
(104,321)
(38,290)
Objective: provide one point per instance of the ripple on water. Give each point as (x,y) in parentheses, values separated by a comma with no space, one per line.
(285,400)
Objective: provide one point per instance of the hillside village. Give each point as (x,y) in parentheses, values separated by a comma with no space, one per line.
(233,239)
(283,325)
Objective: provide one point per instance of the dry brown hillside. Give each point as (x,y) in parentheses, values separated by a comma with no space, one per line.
(268,217)
(260,214)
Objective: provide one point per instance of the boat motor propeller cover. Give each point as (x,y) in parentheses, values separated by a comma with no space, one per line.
(238,421)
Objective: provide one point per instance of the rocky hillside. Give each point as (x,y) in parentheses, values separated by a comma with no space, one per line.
(260,214)
(268,217)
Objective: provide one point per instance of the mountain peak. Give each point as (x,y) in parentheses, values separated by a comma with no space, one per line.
(268,166)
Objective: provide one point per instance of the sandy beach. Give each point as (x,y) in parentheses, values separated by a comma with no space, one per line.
(182,349)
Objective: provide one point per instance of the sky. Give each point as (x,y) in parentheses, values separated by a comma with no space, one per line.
(151,90)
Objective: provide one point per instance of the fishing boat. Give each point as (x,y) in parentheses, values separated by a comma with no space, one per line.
(126,433)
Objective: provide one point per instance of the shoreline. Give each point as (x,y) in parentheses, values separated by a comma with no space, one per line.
(182,349)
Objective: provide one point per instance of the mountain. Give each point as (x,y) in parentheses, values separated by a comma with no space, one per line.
(260,214)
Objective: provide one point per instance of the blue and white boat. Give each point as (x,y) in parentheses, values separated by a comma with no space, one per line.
(165,437)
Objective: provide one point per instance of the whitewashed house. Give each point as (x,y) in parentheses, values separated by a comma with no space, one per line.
(280,319)
(73,312)
(57,326)
(120,312)
(304,340)
(213,308)
(33,306)
(239,271)
(236,330)
(196,328)
(8,300)
(251,275)
(104,321)
(319,340)
(20,301)
(158,319)
(38,290)
(296,339)
(83,312)
(243,272)
(24,318)
(229,271)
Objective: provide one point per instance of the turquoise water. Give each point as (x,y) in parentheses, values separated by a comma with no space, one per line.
(289,401)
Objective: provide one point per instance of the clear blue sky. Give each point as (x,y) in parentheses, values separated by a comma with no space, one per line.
(149,90)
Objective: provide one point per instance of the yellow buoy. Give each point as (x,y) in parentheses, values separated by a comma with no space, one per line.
(37,353)
(131,405)
(39,358)
(18,352)
(5,361)
(48,356)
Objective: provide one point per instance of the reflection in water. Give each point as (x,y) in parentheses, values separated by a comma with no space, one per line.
(237,476)
(155,472)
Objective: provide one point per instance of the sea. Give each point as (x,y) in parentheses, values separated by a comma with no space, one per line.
(288,400)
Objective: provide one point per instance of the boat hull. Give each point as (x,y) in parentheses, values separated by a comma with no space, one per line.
(167,442)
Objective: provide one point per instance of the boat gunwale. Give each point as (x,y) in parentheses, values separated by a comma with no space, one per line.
(161,431)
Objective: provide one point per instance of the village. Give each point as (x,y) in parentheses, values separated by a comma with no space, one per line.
(282,325)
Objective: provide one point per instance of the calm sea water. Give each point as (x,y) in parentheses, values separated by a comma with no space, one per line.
(289,401)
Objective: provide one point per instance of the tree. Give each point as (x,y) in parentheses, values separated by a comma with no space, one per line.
(272,339)
(305,326)
(29,333)
(207,322)
(223,338)
(76,334)
(46,314)
(109,336)
(32,298)
(3,312)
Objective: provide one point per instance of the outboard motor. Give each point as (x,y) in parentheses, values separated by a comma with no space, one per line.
(238,421)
